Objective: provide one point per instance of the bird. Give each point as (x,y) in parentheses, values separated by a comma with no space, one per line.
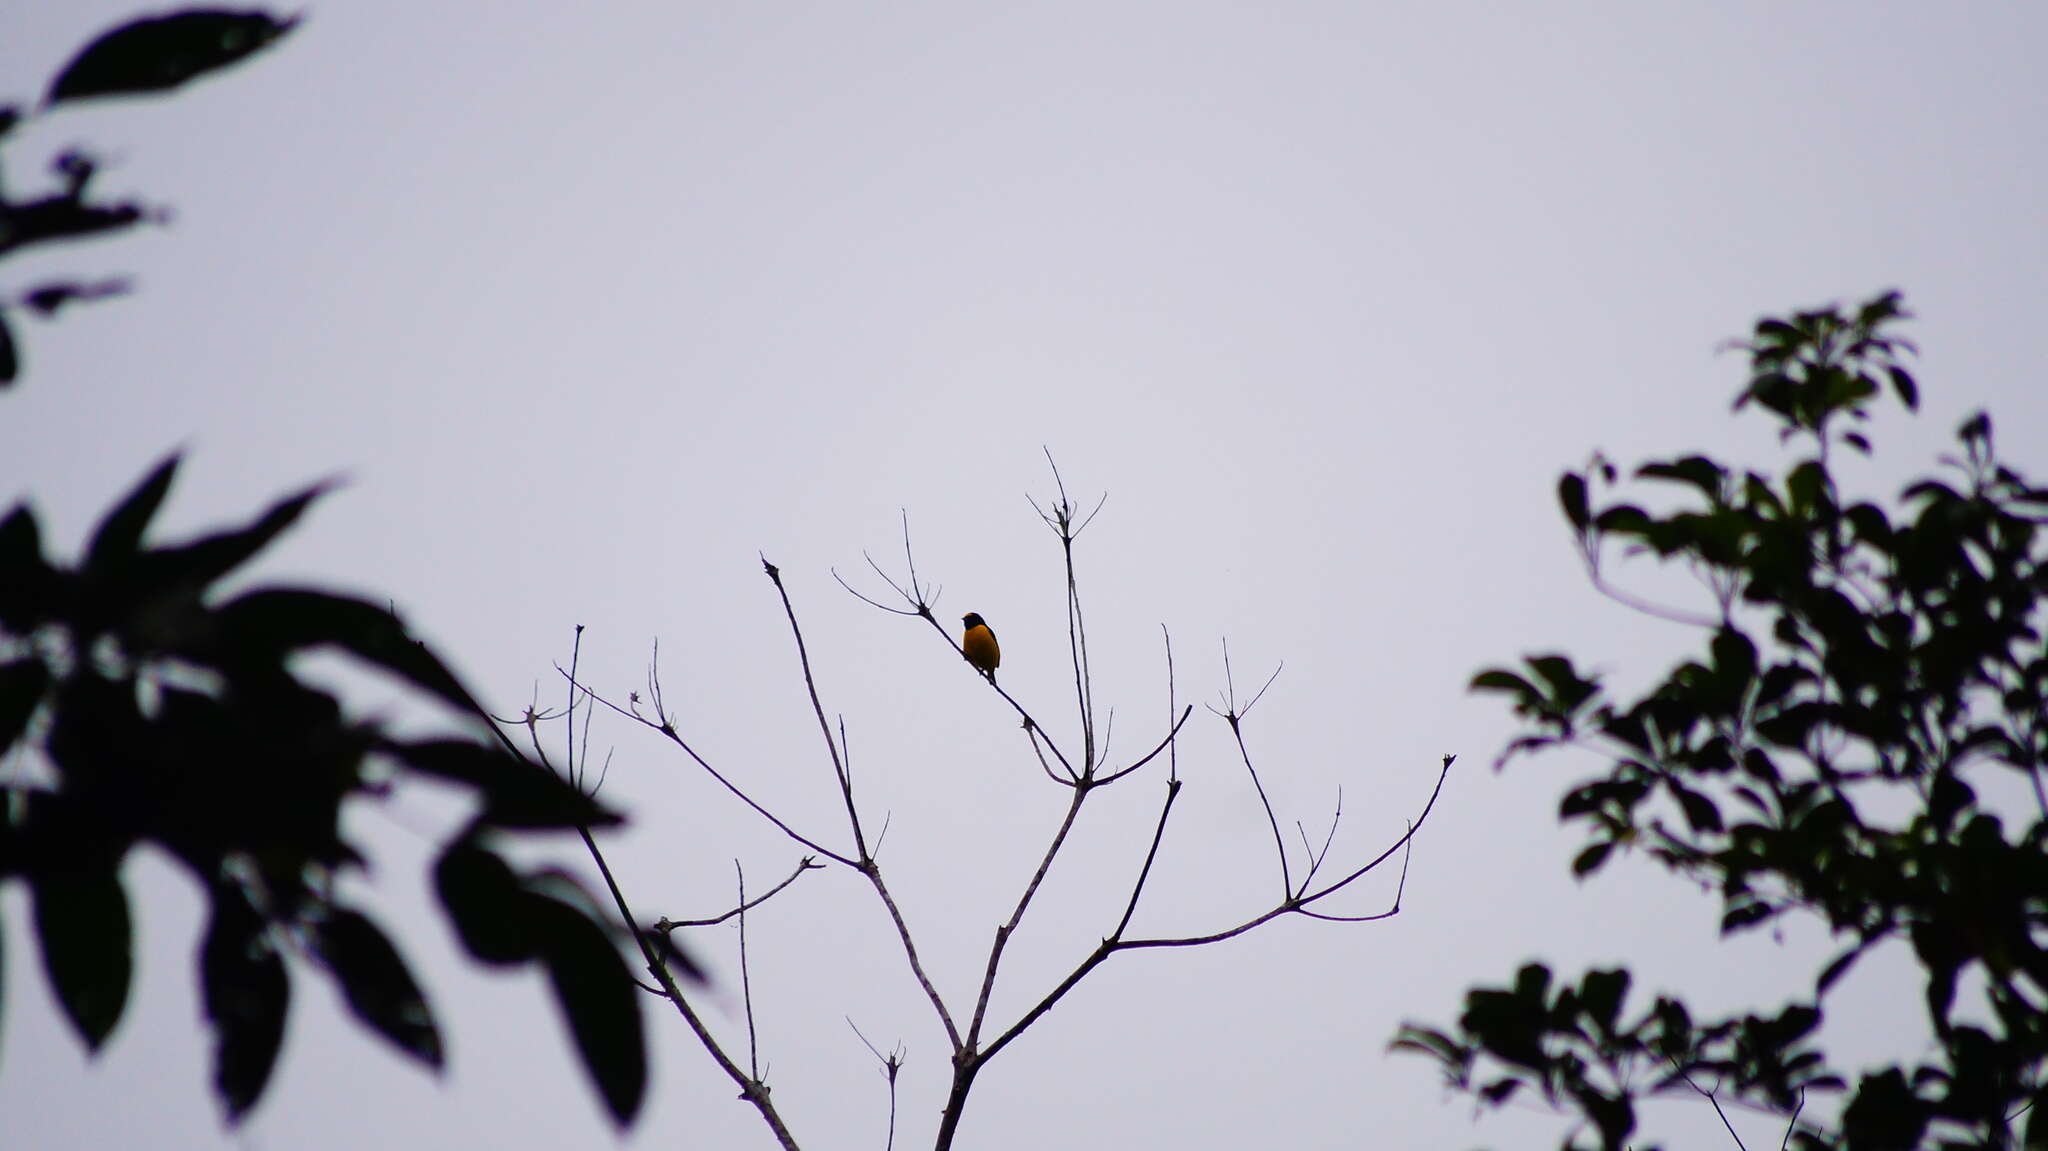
(979,646)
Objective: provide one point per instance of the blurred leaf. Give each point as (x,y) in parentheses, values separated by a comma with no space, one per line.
(22,683)
(600,1002)
(1976,427)
(119,536)
(1908,390)
(1744,915)
(1571,496)
(205,560)
(378,986)
(247,995)
(1496,679)
(10,360)
(517,793)
(1693,471)
(81,913)
(284,620)
(21,544)
(1589,860)
(1624,520)
(46,299)
(485,901)
(1701,814)
(159,53)
(673,957)
(1601,994)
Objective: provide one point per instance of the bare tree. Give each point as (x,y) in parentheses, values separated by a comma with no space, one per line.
(973,1035)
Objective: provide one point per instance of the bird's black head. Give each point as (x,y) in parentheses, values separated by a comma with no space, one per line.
(972,620)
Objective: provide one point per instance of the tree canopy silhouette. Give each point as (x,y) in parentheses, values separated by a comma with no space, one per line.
(1861,739)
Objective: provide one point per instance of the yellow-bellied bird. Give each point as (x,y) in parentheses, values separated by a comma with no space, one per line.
(979,646)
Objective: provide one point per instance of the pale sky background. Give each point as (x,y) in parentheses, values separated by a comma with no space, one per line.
(596,304)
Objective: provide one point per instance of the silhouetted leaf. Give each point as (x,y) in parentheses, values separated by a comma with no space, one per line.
(119,535)
(486,902)
(46,299)
(22,683)
(600,1002)
(10,360)
(1600,996)
(1589,860)
(375,981)
(207,559)
(81,913)
(283,620)
(21,545)
(516,792)
(1885,1112)
(1700,812)
(158,53)
(1623,520)
(1977,427)
(1500,1091)
(1908,391)
(1495,679)
(247,994)
(1744,915)
(1571,496)
(1693,471)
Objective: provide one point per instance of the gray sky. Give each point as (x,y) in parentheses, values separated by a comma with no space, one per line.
(596,304)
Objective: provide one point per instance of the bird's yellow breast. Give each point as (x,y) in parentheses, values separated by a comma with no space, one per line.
(981,649)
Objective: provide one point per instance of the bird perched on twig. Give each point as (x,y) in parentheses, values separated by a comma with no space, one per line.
(979,646)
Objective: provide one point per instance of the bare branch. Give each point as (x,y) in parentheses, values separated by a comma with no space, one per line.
(995,953)
(666,925)
(751,1089)
(873,871)
(866,864)
(1315,858)
(1711,1098)
(746,978)
(667,729)
(1151,855)
(1279,843)
(1397,845)
(891,1064)
(1400,888)
(1172,705)
(1149,756)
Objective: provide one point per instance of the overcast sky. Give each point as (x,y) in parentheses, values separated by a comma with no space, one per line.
(597,304)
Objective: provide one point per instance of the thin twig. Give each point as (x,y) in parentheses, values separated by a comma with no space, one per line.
(866,864)
(746,979)
(1279,843)
(751,1089)
(1163,745)
(1399,844)
(1683,1074)
(666,925)
(891,1064)
(668,730)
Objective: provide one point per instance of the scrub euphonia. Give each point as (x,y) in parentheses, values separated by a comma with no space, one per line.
(979,646)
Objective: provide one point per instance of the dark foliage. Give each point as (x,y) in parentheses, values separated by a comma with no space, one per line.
(1862,660)
(139,705)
